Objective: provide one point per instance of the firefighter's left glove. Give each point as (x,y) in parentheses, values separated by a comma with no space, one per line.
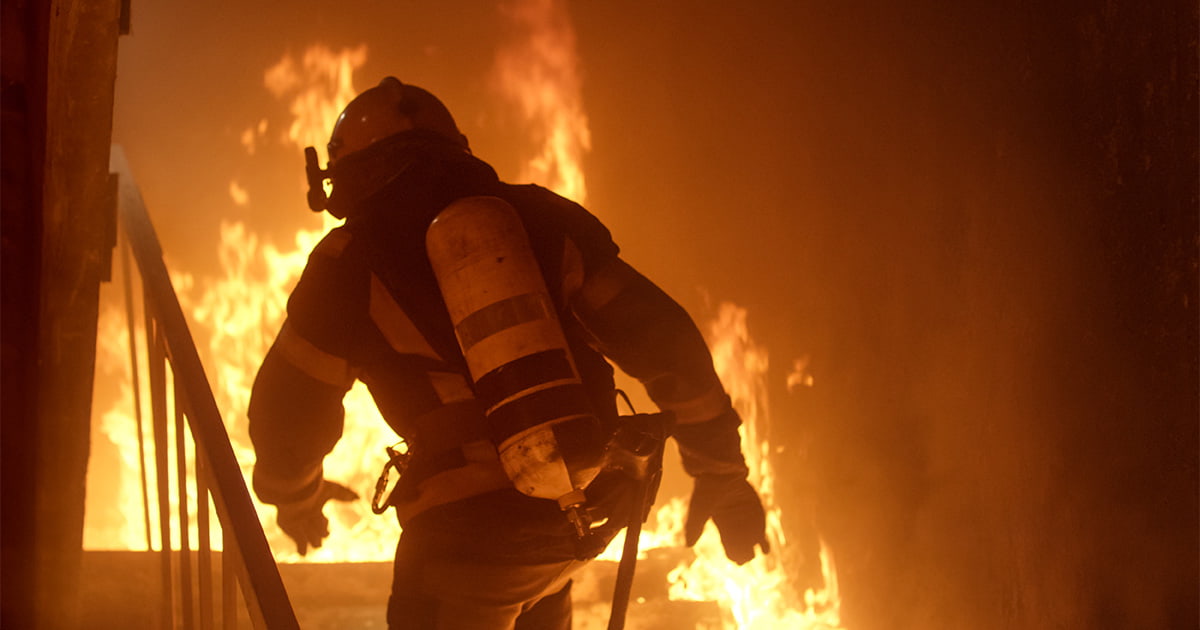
(734,507)
(304,521)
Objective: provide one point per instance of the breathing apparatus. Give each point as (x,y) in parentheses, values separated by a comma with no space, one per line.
(538,416)
(550,442)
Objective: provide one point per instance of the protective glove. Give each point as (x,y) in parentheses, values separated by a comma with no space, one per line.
(733,505)
(304,521)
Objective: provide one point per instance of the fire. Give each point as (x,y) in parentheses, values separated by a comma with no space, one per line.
(124,526)
(758,594)
(319,86)
(245,309)
(235,317)
(539,73)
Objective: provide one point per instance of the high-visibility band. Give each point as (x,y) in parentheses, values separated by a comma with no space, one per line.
(602,286)
(537,408)
(449,426)
(395,324)
(311,360)
(502,315)
(572,273)
(333,244)
(480,451)
(702,408)
(281,489)
(455,484)
(526,373)
(451,387)
(696,463)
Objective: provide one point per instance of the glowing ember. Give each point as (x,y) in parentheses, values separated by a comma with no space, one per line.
(800,376)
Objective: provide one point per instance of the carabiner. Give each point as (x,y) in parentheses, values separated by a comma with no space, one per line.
(396,459)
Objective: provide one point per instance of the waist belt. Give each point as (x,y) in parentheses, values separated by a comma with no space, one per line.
(452,460)
(479,472)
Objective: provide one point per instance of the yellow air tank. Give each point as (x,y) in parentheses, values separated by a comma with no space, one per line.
(548,438)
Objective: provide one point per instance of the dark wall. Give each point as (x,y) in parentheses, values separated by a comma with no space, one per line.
(59,231)
(979,220)
(23,98)
(1006,435)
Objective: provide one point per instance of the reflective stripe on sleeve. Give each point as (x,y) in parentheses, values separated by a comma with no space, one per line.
(696,463)
(702,408)
(311,360)
(602,286)
(451,387)
(395,324)
(333,244)
(286,489)
(572,270)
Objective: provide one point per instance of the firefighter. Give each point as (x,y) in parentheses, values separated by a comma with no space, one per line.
(477,550)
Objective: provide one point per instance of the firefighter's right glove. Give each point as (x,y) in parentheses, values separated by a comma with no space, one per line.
(734,507)
(304,521)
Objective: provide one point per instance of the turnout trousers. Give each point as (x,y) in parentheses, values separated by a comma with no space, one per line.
(439,593)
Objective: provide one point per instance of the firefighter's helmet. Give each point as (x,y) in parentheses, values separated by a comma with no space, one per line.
(368,122)
(388,109)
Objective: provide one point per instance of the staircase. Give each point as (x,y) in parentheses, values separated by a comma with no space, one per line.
(182,588)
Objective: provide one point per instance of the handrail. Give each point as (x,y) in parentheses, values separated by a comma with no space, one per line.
(217,467)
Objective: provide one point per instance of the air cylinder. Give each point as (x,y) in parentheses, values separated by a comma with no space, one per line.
(548,438)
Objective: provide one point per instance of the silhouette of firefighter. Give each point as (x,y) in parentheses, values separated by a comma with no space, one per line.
(480,314)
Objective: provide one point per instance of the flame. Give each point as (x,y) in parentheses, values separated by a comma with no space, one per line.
(236,315)
(122,527)
(243,310)
(319,86)
(234,318)
(131,520)
(757,594)
(539,72)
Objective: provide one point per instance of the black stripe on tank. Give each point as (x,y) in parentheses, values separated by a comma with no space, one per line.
(501,315)
(563,401)
(517,376)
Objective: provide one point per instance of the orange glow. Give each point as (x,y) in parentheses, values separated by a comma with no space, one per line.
(757,594)
(236,315)
(245,310)
(540,74)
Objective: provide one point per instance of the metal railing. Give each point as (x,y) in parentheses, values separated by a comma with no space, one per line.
(189,596)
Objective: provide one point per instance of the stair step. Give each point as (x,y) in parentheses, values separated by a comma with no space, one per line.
(121,589)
